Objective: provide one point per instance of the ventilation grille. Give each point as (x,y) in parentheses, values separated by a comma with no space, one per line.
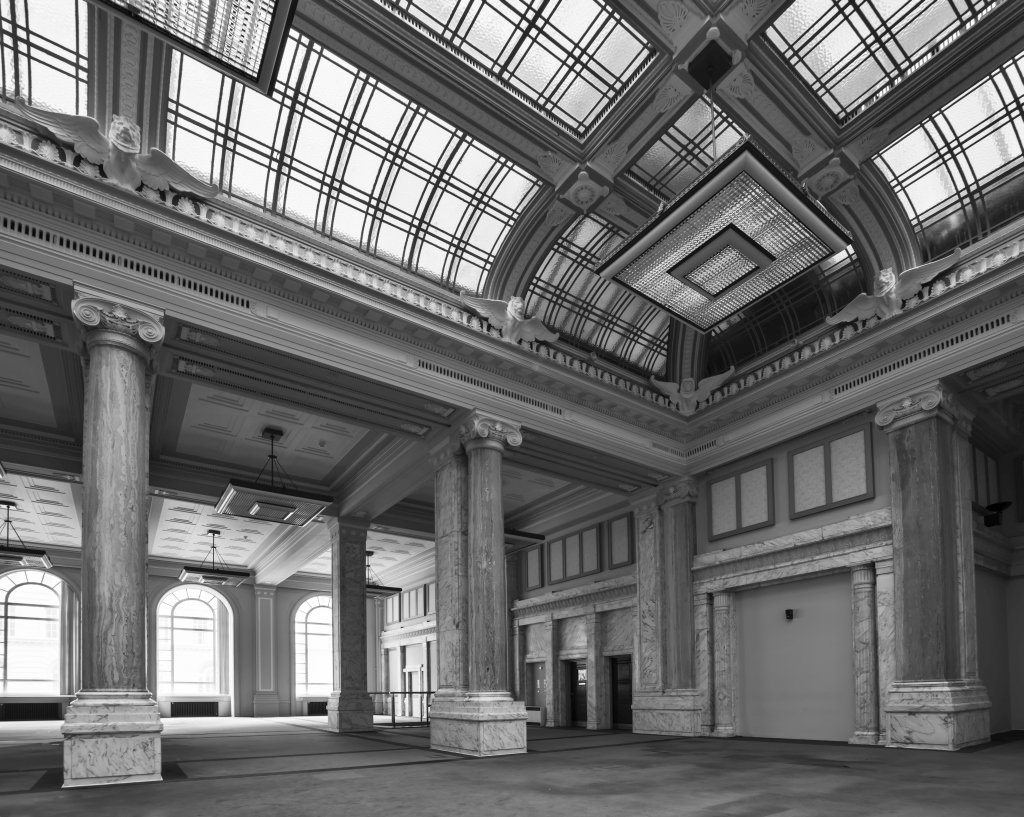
(316,707)
(668,449)
(49,711)
(195,709)
(697,449)
(253,501)
(935,348)
(16,227)
(483,384)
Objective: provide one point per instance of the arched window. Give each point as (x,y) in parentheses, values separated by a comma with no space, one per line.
(193,643)
(30,603)
(314,657)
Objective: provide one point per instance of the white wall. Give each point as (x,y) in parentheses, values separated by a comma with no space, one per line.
(795,677)
(993,663)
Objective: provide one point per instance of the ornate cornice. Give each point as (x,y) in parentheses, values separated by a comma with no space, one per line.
(934,400)
(412,636)
(99,310)
(526,608)
(481,426)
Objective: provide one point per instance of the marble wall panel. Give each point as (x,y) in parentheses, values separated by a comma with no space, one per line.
(617,627)
(572,635)
(538,641)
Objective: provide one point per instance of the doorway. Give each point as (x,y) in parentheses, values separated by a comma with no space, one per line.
(535,685)
(577,678)
(622,692)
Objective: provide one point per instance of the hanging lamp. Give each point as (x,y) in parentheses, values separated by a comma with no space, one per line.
(272,501)
(375,589)
(23,556)
(213,574)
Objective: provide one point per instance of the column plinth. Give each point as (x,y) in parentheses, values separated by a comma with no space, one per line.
(112,727)
(482,718)
(936,699)
(349,707)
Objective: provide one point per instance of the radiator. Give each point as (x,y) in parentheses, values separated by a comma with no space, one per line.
(195,709)
(49,711)
(316,707)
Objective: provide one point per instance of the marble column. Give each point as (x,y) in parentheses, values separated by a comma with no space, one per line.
(554,700)
(599,705)
(936,700)
(724,652)
(703,663)
(885,634)
(266,703)
(112,727)
(484,720)
(865,655)
(349,709)
(665,699)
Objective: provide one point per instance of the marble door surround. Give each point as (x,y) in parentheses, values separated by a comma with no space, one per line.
(349,707)
(936,699)
(473,712)
(112,727)
(666,698)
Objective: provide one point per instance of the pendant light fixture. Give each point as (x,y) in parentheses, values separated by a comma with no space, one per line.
(272,501)
(213,574)
(14,555)
(374,588)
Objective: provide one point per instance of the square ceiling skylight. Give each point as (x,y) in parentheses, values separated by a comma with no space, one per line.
(850,51)
(740,231)
(242,37)
(570,57)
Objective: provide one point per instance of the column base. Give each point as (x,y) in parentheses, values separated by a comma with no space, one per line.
(673,712)
(481,724)
(266,705)
(349,712)
(864,738)
(111,737)
(943,715)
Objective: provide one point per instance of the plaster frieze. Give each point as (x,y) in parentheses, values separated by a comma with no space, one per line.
(935,400)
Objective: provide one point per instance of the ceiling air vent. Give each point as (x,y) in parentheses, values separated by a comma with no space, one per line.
(212,575)
(25,557)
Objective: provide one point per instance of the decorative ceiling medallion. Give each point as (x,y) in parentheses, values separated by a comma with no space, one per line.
(585,192)
(741,230)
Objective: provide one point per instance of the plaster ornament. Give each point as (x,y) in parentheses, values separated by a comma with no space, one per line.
(891,292)
(586,191)
(510,318)
(119,151)
(688,393)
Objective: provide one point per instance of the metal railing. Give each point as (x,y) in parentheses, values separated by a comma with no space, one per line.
(397,709)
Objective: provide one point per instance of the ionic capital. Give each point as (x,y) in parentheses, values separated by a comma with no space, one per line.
(447,452)
(933,400)
(93,309)
(683,489)
(485,426)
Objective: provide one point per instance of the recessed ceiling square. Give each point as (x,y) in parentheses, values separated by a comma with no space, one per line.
(742,229)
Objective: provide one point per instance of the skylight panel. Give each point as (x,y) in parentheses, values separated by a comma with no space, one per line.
(241,36)
(339,152)
(44,53)
(685,150)
(570,299)
(957,171)
(851,51)
(570,57)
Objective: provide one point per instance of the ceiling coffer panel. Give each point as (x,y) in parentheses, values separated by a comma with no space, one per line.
(741,230)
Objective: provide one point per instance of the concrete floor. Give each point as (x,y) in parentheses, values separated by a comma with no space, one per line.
(292,766)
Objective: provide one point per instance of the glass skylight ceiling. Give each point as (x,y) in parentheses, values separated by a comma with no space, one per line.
(44,53)
(569,298)
(685,150)
(850,50)
(571,57)
(953,170)
(233,32)
(343,154)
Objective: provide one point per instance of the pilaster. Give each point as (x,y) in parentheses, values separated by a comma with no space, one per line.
(266,702)
(112,727)
(865,655)
(936,700)
(599,705)
(724,650)
(885,633)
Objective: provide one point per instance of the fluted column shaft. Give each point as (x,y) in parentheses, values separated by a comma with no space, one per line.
(112,728)
(349,708)
(865,655)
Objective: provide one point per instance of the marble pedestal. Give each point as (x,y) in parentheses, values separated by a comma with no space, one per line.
(111,737)
(945,715)
(349,712)
(480,724)
(673,712)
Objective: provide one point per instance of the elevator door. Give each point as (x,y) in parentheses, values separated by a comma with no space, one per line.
(622,691)
(577,677)
(535,685)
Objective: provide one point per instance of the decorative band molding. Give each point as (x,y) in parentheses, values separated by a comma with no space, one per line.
(525,609)
(412,636)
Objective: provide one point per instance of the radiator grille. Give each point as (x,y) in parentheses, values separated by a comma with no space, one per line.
(49,711)
(195,709)
(316,707)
